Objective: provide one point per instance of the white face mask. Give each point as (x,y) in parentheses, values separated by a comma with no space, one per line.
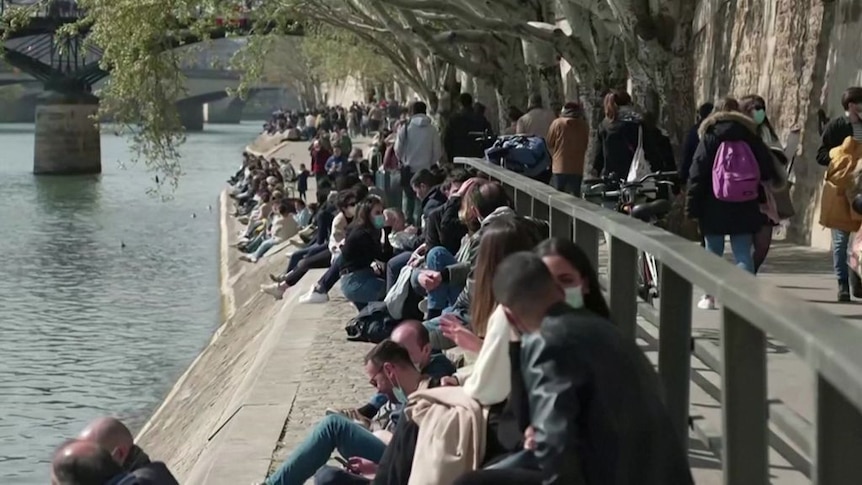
(575,297)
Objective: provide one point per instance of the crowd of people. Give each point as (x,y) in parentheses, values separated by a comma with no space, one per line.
(499,362)
(503,365)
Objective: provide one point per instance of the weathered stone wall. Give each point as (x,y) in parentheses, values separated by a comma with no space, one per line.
(799,55)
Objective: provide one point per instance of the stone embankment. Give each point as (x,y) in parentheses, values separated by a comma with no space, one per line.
(266,376)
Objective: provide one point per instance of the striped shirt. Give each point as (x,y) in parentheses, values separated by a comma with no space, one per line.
(857,131)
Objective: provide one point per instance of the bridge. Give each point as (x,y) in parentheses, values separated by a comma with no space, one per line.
(67,141)
(207,97)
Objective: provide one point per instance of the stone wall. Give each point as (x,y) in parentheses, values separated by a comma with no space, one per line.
(799,55)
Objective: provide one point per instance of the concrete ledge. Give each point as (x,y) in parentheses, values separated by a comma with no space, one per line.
(223,418)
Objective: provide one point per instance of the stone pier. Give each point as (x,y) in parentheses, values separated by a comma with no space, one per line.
(67,135)
(191,115)
(225,111)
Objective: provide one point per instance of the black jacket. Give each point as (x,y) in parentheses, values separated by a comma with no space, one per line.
(833,135)
(457,140)
(617,141)
(147,472)
(444,228)
(717,216)
(363,246)
(595,406)
(434,199)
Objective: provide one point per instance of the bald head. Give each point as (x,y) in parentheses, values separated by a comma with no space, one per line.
(413,336)
(112,435)
(78,462)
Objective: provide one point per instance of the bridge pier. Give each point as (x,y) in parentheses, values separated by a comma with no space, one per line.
(191,115)
(67,135)
(224,111)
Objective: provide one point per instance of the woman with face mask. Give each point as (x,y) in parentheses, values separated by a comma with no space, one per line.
(364,245)
(755,107)
(573,271)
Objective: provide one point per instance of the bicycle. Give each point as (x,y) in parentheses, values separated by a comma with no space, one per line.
(629,198)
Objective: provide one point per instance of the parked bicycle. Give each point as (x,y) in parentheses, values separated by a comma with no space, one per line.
(637,199)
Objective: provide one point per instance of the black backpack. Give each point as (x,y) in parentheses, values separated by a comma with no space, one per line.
(372,324)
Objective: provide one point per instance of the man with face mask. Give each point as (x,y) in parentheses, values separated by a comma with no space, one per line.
(414,337)
(391,370)
(593,395)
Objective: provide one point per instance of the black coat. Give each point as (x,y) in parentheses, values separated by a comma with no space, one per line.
(833,135)
(617,141)
(444,228)
(457,140)
(717,216)
(595,406)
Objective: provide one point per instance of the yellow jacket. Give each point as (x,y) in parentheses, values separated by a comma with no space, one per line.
(838,186)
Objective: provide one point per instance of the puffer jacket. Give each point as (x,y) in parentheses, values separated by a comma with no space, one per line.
(617,141)
(462,272)
(839,187)
(717,216)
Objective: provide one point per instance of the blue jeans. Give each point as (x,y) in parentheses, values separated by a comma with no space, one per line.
(840,240)
(394,266)
(263,247)
(438,341)
(333,432)
(328,280)
(363,287)
(252,245)
(741,245)
(299,254)
(567,182)
(330,475)
(444,295)
(411,206)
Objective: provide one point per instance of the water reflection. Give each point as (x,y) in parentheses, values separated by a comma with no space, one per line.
(89,327)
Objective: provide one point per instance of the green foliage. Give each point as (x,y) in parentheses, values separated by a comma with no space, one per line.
(339,54)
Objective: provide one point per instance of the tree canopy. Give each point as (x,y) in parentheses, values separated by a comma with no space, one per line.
(502,51)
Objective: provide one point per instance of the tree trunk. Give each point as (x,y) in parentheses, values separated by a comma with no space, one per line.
(552,81)
(485,95)
(511,91)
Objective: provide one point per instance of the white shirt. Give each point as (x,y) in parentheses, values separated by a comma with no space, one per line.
(310,121)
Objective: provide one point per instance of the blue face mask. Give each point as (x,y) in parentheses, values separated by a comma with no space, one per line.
(379,221)
(575,297)
(759,116)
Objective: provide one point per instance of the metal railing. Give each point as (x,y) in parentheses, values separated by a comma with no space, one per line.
(750,309)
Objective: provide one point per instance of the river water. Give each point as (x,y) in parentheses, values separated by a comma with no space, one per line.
(88,327)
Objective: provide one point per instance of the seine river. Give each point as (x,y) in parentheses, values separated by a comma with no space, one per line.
(106,293)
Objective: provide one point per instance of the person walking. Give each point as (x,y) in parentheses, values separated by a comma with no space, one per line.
(537,121)
(834,135)
(417,146)
(567,140)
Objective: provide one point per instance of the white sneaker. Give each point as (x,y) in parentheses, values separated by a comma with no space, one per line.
(273,290)
(252,259)
(245,257)
(706,303)
(314,297)
(423,306)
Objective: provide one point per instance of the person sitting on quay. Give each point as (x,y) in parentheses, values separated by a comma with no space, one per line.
(282,227)
(78,462)
(367,243)
(336,163)
(114,437)
(391,370)
(368,180)
(318,255)
(303,213)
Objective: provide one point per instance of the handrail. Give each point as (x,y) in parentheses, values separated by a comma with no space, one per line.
(751,308)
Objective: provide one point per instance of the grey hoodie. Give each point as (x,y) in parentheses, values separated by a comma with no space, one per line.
(418,144)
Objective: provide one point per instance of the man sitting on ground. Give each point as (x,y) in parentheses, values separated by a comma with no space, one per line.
(113,436)
(391,370)
(82,462)
(414,337)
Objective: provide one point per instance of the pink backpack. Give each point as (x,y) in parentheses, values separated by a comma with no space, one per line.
(735,172)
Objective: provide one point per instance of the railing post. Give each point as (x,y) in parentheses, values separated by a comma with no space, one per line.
(587,237)
(839,438)
(523,203)
(674,347)
(743,401)
(561,224)
(540,211)
(623,281)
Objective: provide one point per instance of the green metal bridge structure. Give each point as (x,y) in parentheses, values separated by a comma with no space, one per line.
(68,67)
